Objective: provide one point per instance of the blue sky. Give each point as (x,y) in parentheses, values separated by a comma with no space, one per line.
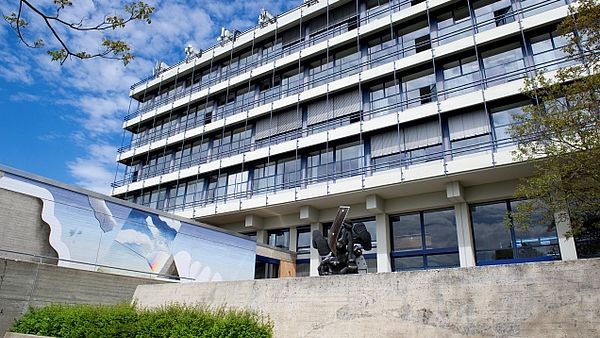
(64,122)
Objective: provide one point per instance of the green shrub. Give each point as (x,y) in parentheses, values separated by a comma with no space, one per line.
(124,320)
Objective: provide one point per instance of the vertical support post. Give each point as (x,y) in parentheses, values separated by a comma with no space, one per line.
(261,236)
(568,251)
(464,235)
(384,247)
(315,260)
(293,239)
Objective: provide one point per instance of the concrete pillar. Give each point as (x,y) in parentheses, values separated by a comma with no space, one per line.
(568,251)
(314,254)
(466,252)
(262,236)
(293,239)
(384,243)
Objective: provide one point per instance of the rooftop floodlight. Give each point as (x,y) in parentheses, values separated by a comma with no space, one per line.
(225,36)
(189,52)
(265,18)
(159,67)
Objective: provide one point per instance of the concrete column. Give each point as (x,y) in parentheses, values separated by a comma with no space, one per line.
(384,243)
(466,251)
(314,254)
(568,251)
(293,239)
(262,236)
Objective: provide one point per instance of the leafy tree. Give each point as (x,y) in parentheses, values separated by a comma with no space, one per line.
(110,49)
(560,135)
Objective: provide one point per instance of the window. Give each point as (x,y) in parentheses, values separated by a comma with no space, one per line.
(461,76)
(320,166)
(492,13)
(502,120)
(495,243)
(277,175)
(266,268)
(302,267)
(424,240)
(381,49)
(454,24)
(303,240)
(279,238)
(418,88)
(469,132)
(348,159)
(503,64)
(232,142)
(547,50)
(383,98)
(411,36)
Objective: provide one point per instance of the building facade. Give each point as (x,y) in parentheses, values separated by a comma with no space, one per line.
(399,109)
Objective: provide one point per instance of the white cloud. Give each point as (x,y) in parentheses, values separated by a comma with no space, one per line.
(95,171)
(96,91)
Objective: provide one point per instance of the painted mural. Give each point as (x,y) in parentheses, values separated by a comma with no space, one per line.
(112,237)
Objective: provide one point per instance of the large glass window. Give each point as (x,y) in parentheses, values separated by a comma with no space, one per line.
(503,64)
(497,243)
(503,119)
(547,50)
(424,240)
(383,98)
(303,240)
(232,142)
(492,13)
(302,267)
(279,238)
(413,37)
(454,24)
(461,76)
(418,88)
(320,165)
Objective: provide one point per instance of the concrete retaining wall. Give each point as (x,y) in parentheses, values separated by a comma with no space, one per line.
(553,299)
(24,284)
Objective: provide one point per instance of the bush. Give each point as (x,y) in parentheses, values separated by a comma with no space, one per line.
(124,320)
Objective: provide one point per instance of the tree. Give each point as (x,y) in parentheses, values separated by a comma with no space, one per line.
(110,49)
(560,134)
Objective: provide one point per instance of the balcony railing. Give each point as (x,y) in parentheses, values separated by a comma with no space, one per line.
(332,172)
(452,34)
(400,102)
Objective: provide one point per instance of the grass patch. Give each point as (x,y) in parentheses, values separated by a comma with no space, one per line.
(124,320)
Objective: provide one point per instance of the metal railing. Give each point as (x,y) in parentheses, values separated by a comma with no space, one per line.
(403,101)
(41,259)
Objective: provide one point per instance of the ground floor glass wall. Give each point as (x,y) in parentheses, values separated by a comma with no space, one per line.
(424,240)
(498,240)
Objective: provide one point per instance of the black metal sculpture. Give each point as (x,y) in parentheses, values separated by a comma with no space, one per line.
(343,247)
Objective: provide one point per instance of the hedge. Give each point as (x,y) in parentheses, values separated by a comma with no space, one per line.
(124,320)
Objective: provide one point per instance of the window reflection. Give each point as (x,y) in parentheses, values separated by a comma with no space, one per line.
(497,242)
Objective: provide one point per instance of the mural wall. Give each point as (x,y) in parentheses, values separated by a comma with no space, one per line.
(108,235)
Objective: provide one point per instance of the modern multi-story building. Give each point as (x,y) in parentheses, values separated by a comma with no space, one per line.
(399,109)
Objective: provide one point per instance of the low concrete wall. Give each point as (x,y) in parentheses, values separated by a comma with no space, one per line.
(24,284)
(554,299)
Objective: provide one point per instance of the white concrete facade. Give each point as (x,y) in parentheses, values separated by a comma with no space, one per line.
(442,160)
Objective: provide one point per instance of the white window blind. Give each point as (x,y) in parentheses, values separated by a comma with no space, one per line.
(319,111)
(288,120)
(423,135)
(468,125)
(263,128)
(346,103)
(387,143)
